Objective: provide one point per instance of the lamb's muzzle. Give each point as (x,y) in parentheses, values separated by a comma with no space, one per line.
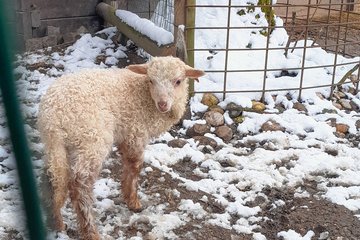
(83,114)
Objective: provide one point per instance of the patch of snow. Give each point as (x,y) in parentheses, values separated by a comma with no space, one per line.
(292,235)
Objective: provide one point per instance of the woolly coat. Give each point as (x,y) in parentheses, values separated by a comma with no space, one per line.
(104,106)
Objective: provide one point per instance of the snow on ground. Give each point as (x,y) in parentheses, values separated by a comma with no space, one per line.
(234,176)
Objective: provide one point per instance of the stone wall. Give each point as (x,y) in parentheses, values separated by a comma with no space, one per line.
(42,23)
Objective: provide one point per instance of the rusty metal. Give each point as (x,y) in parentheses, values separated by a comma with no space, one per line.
(336,50)
(227,47)
(304,53)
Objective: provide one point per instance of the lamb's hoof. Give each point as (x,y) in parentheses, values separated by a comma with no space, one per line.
(137,210)
(135,206)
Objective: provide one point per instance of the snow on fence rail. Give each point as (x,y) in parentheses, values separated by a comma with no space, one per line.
(295,54)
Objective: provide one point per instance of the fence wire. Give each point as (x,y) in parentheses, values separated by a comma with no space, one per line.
(163,15)
(331,25)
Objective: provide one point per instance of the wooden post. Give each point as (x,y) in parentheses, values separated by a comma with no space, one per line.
(179,30)
(190,38)
(179,15)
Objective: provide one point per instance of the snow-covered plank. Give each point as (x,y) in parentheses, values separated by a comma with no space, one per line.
(138,33)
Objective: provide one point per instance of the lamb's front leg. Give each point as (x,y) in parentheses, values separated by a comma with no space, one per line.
(132,161)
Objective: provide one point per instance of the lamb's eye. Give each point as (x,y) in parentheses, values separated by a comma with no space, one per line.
(177,83)
(151,82)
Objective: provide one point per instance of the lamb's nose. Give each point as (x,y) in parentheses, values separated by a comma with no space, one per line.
(162,104)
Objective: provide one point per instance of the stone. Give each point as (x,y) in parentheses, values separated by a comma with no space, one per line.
(258,106)
(198,130)
(280,108)
(320,95)
(209,99)
(342,128)
(331,122)
(82,30)
(345,103)
(300,107)
(354,106)
(357,124)
(339,95)
(272,125)
(324,236)
(337,105)
(326,110)
(224,132)
(352,90)
(102,35)
(177,143)
(214,119)
(234,110)
(205,141)
(216,108)
(239,119)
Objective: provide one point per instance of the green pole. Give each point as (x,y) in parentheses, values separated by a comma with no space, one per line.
(17,132)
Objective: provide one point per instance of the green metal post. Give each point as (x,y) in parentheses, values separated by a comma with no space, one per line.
(17,132)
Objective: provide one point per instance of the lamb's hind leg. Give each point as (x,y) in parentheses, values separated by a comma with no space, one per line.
(132,163)
(54,183)
(85,173)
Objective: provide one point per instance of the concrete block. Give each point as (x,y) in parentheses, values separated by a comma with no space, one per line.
(35,18)
(23,25)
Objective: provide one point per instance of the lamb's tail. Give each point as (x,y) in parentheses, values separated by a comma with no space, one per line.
(54,180)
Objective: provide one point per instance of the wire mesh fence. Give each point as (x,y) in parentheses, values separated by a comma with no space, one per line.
(163,15)
(310,26)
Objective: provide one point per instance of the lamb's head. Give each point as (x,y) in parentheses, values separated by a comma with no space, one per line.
(167,79)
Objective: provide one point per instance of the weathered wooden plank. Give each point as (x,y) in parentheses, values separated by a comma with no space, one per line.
(66,8)
(108,13)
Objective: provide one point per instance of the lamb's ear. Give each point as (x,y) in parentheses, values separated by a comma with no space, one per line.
(193,73)
(138,68)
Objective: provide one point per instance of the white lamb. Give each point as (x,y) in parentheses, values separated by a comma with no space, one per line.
(82,115)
